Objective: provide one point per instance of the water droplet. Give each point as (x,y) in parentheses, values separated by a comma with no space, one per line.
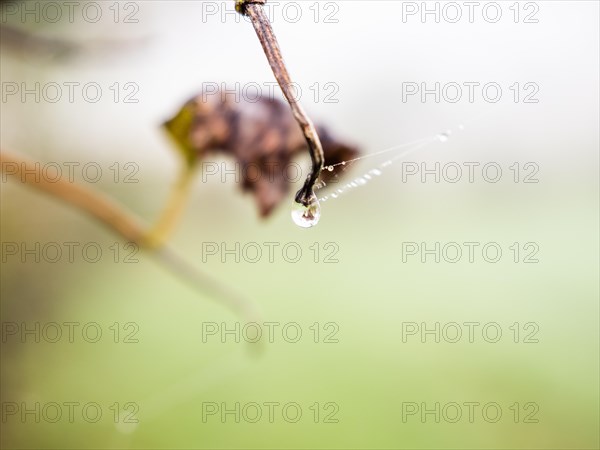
(443,137)
(330,168)
(361,181)
(307,216)
(343,163)
(375,172)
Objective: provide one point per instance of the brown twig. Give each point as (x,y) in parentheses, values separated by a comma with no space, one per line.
(131,229)
(264,31)
(77,195)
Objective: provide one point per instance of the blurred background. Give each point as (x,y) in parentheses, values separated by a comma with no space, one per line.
(404,342)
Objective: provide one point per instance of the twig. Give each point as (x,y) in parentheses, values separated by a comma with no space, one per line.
(264,31)
(175,205)
(77,195)
(122,222)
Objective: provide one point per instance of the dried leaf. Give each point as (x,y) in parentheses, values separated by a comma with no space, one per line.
(261,135)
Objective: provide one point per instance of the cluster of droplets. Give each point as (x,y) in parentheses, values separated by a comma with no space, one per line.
(371,174)
(357,182)
(308,216)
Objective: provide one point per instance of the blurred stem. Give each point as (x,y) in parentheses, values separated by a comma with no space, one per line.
(172,212)
(254,9)
(130,228)
(84,199)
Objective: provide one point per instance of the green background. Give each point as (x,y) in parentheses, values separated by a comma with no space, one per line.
(370,292)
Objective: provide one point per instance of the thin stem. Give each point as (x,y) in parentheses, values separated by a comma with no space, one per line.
(208,285)
(123,223)
(264,31)
(94,204)
(165,225)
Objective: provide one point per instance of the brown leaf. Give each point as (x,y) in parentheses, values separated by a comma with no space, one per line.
(261,135)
